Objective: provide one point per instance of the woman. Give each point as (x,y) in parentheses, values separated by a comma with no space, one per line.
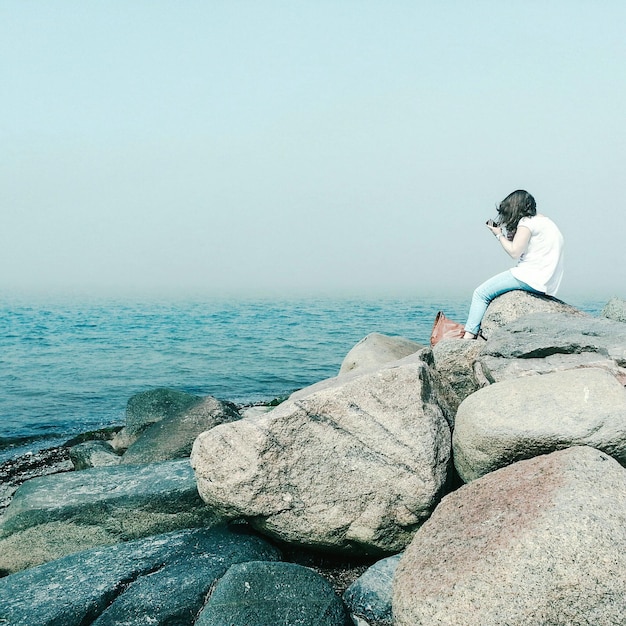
(535,241)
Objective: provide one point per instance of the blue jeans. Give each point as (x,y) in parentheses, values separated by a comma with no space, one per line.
(485,293)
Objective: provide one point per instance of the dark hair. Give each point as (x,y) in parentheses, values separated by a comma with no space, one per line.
(514,207)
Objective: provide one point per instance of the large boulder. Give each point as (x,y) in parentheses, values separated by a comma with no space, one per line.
(52,516)
(375,350)
(542,541)
(615,309)
(515,304)
(281,594)
(496,369)
(521,418)
(369,597)
(157,580)
(148,407)
(173,436)
(542,342)
(356,466)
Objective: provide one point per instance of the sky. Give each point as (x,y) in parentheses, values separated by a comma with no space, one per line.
(176,148)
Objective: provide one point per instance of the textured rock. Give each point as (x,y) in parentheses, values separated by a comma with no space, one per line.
(375,350)
(357,466)
(158,580)
(281,594)
(93,454)
(173,436)
(540,335)
(369,597)
(149,407)
(56,515)
(542,541)
(454,360)
(497,369)
(522,418)
(512,305)
(541,343)
(615,309)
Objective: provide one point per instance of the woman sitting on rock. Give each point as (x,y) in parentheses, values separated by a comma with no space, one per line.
(535,241)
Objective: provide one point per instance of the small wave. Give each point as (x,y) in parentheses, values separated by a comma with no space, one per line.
(8,443)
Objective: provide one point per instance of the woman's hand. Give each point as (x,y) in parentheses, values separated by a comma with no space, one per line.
(496,230)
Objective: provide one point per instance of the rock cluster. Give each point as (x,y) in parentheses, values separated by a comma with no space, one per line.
(187,515)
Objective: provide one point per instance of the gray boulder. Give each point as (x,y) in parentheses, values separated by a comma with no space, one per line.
(541,541)
(52,516)
(497,369)
(357,466)
(173,436)
(615,309)
(539,335)
(521,418)
(375,350)
(454,360)
(369,597)
(160,580)
(512,305)
(93,454)
(281,594)
(550,342)
(148,407)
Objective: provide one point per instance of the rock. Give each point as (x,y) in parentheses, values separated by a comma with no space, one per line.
(561,340)
(496,369)
(173,436)
(375,350)
(56,515)
(515,304)
(369,597)
(149,407)
(14,472)
(158,580)
(93,454)
(539,335)
(261,593)
(454,360)
(357,466)
(526,417)
(541,541)
(615,309)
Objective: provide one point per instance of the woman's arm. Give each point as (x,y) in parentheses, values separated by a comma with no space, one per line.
(518,246)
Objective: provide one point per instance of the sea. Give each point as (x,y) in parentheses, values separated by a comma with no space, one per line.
(70,366)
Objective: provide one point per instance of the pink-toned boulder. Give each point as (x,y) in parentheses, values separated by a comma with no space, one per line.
(540,542)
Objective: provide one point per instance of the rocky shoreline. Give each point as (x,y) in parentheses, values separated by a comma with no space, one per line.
(403,491)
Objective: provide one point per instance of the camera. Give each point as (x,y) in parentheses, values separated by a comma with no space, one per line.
(492,223)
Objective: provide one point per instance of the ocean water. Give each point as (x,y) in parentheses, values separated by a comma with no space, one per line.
(69,367)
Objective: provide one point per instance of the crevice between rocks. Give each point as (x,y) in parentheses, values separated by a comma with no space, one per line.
(108,598)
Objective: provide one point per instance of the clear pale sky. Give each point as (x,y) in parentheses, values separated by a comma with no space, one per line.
(318,147)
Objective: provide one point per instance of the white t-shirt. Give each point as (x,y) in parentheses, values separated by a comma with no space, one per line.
(541,266)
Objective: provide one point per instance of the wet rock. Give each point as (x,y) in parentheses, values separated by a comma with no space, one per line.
(93,454)
(369,597)
(157,580)
(56,515)
(148,407)
(173,436)
(261,593)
